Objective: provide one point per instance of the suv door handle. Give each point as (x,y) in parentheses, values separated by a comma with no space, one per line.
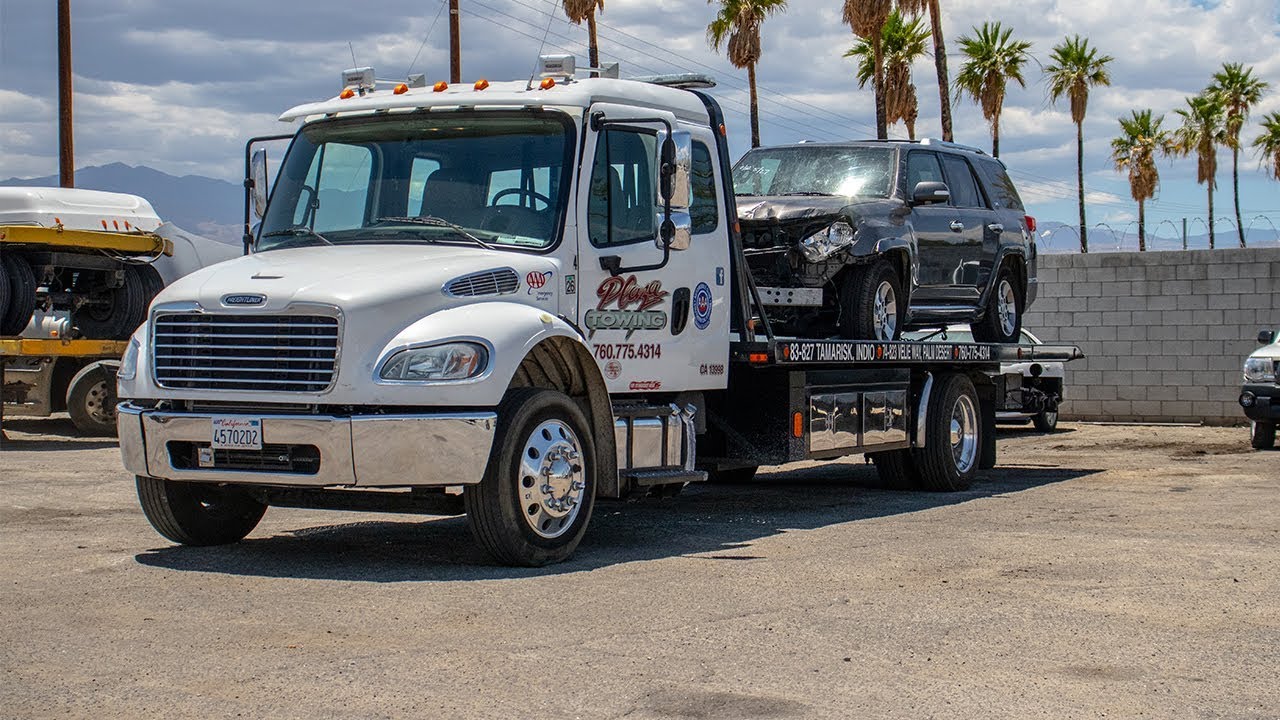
(996,228)
(957,226)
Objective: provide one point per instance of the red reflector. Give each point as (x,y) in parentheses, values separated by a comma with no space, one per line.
(797,425)
(758,358)
(1031,223)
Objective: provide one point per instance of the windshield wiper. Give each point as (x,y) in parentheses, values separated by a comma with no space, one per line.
(434,221)
(810,193)
(298,231)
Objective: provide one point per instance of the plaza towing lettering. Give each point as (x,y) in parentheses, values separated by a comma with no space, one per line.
(622,293)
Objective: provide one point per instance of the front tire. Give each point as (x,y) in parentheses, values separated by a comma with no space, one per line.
(197,513)
(1262,435)
(872,305)
(535,500)
(952,454)
(1002,321)
(91,401)
(1045,421)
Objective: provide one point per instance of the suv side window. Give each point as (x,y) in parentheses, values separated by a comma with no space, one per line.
(621,208)
(922,167)
(964,187)
(1003,194)
(704,212)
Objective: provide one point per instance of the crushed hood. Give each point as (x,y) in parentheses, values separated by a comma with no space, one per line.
(787,208)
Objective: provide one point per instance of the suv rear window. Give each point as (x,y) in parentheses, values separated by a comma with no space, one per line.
(999,186)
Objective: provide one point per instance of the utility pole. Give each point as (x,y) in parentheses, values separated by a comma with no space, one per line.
(1184,233)
(455,44)
(66,139)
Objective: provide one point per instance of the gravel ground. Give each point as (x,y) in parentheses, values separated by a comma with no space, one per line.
(1117,571)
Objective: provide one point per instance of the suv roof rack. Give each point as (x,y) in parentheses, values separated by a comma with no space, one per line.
(952,145)
(683,81)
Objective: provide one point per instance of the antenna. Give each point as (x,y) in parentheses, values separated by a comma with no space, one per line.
(425,38)
(353,53)
(538,65)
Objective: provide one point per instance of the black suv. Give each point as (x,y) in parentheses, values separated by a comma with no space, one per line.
(862,239)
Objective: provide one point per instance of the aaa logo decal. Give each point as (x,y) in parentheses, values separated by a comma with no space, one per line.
(702,306)
(537,279)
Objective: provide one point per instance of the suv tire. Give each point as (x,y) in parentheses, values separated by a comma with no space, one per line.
(1262,435)
(872,305)
(1002,320)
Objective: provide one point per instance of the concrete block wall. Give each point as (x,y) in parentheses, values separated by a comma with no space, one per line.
(1165,332)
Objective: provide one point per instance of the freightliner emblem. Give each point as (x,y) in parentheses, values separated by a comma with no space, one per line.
(244,299)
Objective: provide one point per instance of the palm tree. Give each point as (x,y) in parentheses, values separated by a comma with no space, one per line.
(993,59)
(1268,144)
(579,10)
(738,22)
(1203,129)
(903,42)
(1074,67)
(1135,150)
(867,18)
(1238,91)
(916,7)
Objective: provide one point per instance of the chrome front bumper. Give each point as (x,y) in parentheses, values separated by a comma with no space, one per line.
(360,450)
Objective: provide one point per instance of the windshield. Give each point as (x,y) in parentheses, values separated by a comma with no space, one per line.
(815,170)
(491,179)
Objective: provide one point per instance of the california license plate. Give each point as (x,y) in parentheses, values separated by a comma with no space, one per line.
(236,433)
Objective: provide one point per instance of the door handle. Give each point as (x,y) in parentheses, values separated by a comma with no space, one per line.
(996,228)
(957,226)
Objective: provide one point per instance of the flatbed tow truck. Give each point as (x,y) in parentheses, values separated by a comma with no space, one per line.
(76,259)
(509,300)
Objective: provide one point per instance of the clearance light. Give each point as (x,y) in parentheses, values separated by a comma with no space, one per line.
(347,94)
(104,224)
(722,131)
(481,84)
(400,89)
(440,86)
(758,358)
(127,226)
(116,225)
(797,425)
(547,83)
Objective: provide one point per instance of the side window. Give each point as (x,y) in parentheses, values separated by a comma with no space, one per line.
(1003,194)
(418,174)
(621,208)
(704,211)
(339,176)
(964,188)
(923,167)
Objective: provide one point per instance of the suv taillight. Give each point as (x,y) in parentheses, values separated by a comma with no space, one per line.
(1031,223)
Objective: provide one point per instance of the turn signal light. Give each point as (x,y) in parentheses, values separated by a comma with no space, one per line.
(481,84)
(547,83)
(347,94)
(797,425)
(400,89)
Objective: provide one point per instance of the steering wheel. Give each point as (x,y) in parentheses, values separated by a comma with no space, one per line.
(522,192)
(516,220)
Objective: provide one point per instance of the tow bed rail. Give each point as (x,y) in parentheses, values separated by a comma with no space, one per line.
(835,353)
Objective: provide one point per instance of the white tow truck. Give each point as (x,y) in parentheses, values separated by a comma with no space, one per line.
(509,300)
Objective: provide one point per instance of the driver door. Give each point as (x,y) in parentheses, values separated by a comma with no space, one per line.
(663,328)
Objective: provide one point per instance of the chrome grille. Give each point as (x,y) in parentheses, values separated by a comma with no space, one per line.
(502,281)
(283,353)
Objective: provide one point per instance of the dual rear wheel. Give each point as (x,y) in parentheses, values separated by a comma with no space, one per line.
(952,452)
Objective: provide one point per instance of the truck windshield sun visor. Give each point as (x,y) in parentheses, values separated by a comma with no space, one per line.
(497,177)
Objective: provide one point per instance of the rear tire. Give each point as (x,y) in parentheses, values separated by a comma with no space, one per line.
(534,503)
(952,454)
(734,476)
(21,296)
(91,401)
(1002,321)
(1262,435)
(127,306)
(1045,421)
(197,513)
(872,305)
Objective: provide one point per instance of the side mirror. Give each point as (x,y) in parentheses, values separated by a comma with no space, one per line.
(675,158)
(676,233)
(1266,337)
(258,178)
(930,193)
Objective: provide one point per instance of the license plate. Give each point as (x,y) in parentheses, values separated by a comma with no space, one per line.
(234,433)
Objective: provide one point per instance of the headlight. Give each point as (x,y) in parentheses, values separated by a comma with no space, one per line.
(129,362)
(450,361)
(827,242)
(1258,369)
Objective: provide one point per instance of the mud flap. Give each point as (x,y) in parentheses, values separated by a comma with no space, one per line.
(987,453)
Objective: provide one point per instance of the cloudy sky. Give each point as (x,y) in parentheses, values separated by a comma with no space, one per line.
(179,85)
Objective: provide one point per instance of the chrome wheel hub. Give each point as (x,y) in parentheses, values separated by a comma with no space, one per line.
(1006,307)
(551,480)
(964,433)
(885,312)
(97,406)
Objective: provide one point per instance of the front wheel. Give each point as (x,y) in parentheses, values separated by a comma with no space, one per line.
(1262,435)
(952,452)
(198,513)
(1002,321)
(872,303)
(535,500)
(1045,421)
